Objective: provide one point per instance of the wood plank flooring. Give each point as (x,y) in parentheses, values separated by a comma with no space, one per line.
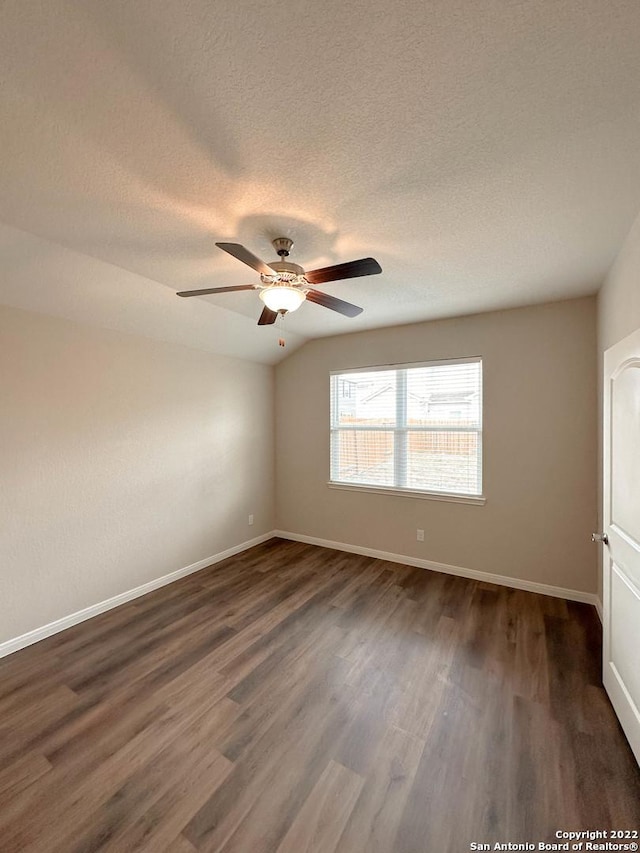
(296,699)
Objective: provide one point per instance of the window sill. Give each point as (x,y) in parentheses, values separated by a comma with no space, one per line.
(478,500)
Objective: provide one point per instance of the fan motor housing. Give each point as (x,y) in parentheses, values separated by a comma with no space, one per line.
(286,268)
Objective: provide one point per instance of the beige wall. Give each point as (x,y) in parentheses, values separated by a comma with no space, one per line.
(539,446)
(619,297)
(121,460)
(618,316)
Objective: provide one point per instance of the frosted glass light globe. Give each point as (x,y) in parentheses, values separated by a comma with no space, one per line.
(281,298)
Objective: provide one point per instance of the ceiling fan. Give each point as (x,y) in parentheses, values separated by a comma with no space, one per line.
(284,286)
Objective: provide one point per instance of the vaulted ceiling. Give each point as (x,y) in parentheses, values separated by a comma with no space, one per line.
(486,153)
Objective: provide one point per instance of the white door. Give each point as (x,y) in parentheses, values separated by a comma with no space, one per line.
(621,511)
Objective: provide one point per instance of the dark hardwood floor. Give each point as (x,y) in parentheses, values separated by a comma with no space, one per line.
(298,699)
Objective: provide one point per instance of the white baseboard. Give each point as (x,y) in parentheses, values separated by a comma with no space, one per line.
(45,631)
(38,634)
(598,606)
(472,574)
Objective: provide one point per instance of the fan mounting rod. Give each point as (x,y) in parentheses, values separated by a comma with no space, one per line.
(285,271)
(283,246)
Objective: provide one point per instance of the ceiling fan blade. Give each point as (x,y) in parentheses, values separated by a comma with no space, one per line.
(338,305)
(208,290)
(351,269)
(246,257)
(268,317)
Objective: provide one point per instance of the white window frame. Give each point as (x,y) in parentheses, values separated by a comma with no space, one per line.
(400,432)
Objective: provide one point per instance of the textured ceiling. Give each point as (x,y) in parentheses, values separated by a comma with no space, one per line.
(486,153)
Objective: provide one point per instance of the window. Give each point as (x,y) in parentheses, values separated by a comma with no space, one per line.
(414,428)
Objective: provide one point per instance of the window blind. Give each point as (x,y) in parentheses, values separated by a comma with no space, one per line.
(409,427)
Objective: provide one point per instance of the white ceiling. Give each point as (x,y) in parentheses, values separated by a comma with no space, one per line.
(485,153)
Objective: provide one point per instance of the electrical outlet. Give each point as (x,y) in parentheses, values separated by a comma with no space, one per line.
(251,519)
(420,535)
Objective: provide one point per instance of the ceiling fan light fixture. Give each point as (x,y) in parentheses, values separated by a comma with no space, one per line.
(282,298)
(284,286)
